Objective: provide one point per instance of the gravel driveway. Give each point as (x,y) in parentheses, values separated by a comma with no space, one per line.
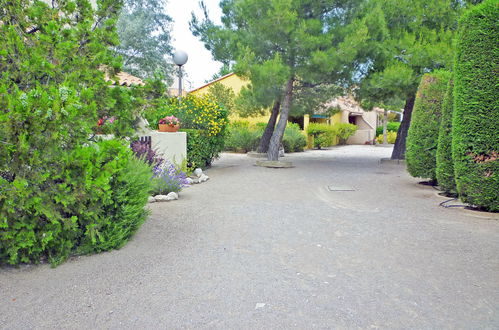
(259,248)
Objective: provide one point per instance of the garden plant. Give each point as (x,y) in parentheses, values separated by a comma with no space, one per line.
(475,138)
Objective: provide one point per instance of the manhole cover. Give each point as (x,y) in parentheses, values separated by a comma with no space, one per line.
(340,188)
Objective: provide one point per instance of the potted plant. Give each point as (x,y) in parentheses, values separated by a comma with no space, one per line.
(169,124)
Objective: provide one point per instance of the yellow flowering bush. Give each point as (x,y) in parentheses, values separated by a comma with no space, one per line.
(204,120)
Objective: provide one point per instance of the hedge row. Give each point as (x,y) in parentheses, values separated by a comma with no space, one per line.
(475,144)
(445,164)
(422,137)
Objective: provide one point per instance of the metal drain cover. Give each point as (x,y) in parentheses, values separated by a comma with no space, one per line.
(340,188)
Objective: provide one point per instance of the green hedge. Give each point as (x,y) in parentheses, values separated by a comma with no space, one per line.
(422,136)
(475,123)
(445,164)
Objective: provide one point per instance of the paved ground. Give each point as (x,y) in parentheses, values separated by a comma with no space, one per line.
(258,248)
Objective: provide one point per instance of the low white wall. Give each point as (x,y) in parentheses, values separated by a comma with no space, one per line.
(172,146)
(361,136)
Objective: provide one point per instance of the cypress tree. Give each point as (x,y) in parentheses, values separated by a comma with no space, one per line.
(445,166)
(423,133)
(475,123)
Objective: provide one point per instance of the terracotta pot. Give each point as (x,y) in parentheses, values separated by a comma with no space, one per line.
(168,128)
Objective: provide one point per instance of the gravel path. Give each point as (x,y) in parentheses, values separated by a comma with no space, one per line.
(258,248)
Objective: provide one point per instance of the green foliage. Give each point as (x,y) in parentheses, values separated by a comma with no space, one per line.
(391,136)
(94,200)
(475,141)
(324,135)
(343,131)
(242,137)
(445,164)
(145,41)
(223,96)
(283,46)
(422,137)
(293,139)
(60,193)
(203,148)
(390,127)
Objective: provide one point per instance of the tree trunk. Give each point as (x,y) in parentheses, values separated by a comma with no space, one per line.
(269,130)
(399,147)
(275,140)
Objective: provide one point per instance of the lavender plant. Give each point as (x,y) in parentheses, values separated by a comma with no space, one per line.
(168,178)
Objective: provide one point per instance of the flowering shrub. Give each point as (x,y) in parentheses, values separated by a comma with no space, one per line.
(168,178)
(204,121)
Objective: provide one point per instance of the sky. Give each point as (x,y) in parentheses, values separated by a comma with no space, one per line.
(200,65)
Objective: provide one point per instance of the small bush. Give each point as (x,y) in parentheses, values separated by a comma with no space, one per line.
(445,164)
(323,134)
(390,136)
(344,130)
(392,126)
(475,138)
(293,139)
(422,136)
(168,178)
(242,138)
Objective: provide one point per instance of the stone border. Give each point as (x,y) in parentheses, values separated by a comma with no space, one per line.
(392,161)
(274,164)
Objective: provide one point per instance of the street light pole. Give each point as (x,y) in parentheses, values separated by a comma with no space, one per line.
(180,58)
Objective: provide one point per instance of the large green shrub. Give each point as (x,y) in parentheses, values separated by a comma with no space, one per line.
(475,138)
(445,164)
(92,200)
(61,193)
(323,134)
(422,137)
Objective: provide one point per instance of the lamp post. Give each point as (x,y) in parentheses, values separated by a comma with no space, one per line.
(180,58)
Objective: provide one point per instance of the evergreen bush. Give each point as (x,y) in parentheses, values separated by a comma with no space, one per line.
(422,137)
(445,165)
(60,192)
(475,138)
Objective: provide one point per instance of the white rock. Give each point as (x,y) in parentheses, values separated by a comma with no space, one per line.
(151,199)
(172,196)
(189,180)
(198,172)
(161,198)
(203,178)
